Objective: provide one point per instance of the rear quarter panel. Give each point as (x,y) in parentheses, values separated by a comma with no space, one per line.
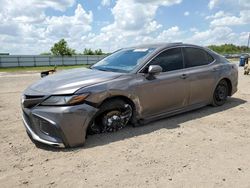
(228,71)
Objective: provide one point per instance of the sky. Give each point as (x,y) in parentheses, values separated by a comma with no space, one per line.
(33,26)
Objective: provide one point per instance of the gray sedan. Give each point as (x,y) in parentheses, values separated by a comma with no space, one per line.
(131,86)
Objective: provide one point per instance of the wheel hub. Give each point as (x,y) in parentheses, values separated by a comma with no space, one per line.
(221,92)
(117,119)
(112,121)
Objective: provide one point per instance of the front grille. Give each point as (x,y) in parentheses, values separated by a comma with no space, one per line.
(29,101)
(33,96)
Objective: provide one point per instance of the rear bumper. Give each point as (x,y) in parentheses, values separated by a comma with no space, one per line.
(234,81)
(58,126)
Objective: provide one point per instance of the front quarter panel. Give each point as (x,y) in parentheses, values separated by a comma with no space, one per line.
(122,86)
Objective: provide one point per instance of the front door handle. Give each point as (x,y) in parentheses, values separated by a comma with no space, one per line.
(215,69)
(184,76)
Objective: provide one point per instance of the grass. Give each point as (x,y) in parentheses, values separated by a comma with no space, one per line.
(44,68)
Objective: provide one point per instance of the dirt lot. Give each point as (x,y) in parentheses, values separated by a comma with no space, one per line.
(209,147)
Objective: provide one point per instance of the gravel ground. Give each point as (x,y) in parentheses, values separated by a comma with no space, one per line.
(209,147)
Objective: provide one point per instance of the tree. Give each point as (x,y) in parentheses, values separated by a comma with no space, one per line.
(61,49)
(229,49)
(98,52)
(88,52)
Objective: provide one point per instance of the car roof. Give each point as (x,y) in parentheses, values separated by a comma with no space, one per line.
(163,45)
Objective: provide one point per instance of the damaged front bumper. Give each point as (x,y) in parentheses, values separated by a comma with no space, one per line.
(62,126)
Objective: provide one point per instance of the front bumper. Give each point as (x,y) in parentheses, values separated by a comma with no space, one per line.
(58,126)
(35,137)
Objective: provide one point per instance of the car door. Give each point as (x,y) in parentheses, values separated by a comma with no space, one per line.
(167,91)
(201,74)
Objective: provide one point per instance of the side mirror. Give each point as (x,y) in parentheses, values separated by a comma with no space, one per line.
(154,69)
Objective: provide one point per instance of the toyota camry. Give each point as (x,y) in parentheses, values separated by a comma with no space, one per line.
(129,87)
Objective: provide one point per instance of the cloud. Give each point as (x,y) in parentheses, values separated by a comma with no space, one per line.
(222,22)
(217,15)
(212,4)
(106,2)
(210,36)
(133,20)
(27,25)
(245,4)
(172,34)
(226,19)
(69,26)
(159,2)
(31,8)
(222,18)
(131,15)
(217,35)
(186,13)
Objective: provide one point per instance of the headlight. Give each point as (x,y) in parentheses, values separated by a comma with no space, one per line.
(64,100)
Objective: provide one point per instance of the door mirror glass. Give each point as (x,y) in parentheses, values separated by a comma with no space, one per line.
(154,69)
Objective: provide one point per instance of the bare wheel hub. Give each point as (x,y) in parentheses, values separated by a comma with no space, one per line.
(116,119)
(112,120)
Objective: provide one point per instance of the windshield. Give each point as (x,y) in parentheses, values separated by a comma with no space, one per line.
(124,60)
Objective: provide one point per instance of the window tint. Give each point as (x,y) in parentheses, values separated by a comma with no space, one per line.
(169,60)
(196,57)
(210,58)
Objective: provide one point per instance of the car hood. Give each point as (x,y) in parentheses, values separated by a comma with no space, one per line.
(68,82)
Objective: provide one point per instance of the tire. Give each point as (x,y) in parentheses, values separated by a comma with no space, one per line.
(112,116)
(220,94)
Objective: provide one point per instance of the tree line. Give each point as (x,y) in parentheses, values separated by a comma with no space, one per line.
(229,49)
(61,48)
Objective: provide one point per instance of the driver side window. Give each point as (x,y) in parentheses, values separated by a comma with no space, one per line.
(169,60)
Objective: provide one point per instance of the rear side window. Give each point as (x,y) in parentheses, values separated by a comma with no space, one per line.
(169,60)
(196,57)
(210,58)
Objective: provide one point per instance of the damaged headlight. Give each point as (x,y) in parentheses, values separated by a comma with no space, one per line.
(65,100)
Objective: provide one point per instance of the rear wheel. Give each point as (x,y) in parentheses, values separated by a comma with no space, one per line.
(112,116)
(220,93)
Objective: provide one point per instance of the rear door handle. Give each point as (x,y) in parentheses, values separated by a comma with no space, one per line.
(184,76)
